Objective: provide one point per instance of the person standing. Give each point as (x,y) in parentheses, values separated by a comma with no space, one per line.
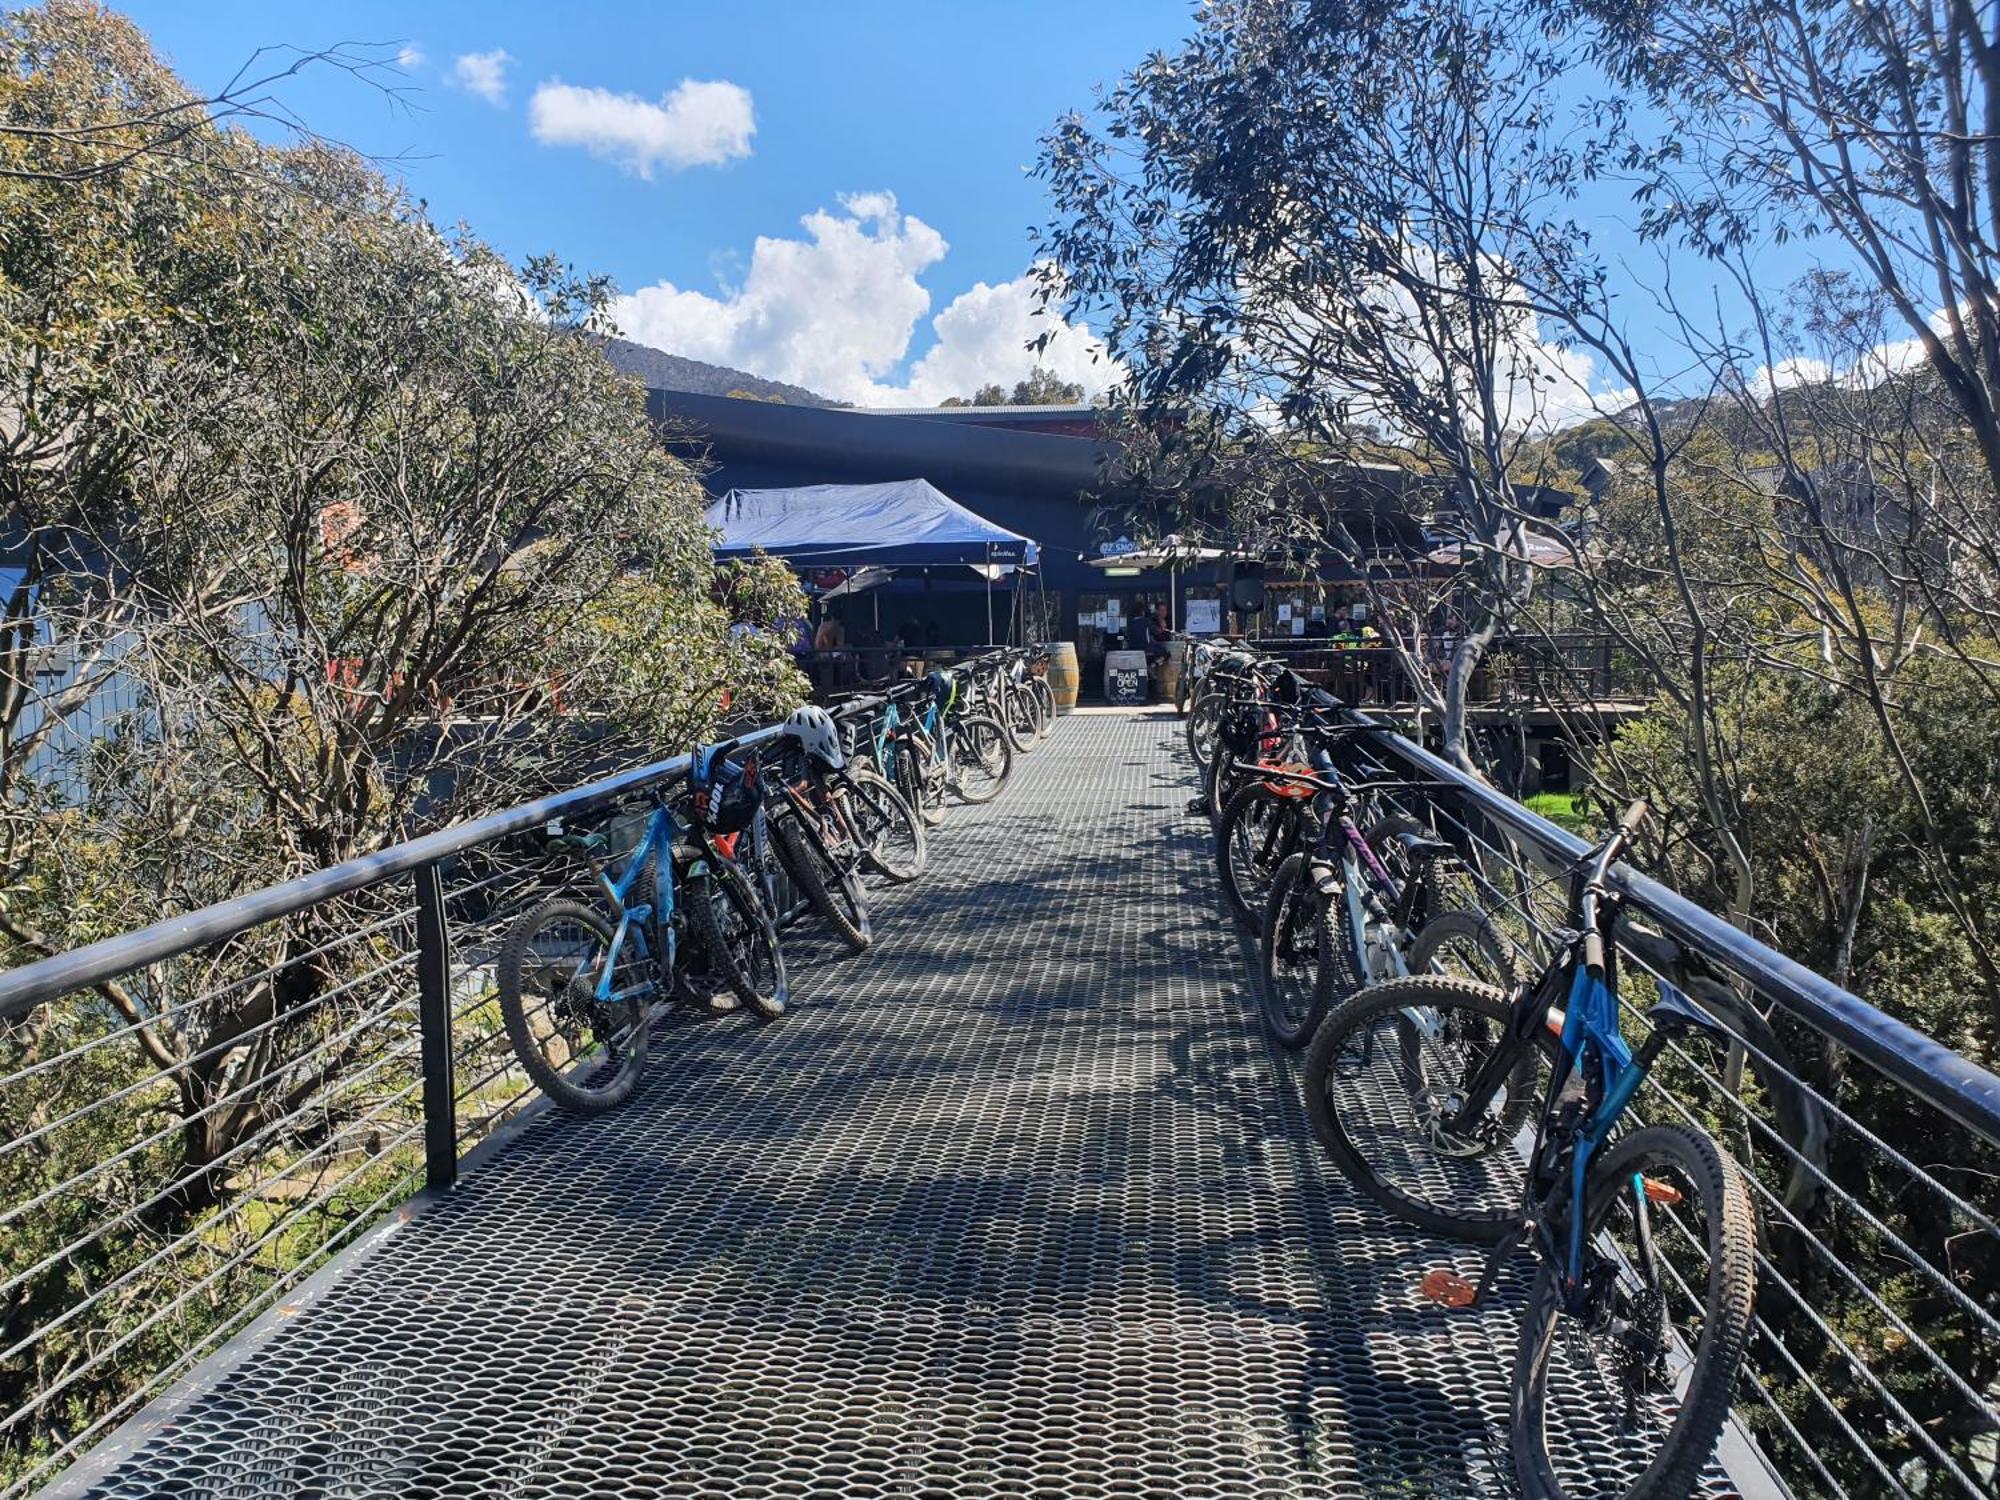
(1139,629)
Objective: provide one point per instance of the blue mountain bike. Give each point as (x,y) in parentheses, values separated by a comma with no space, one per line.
(1502,1118)
(577,980)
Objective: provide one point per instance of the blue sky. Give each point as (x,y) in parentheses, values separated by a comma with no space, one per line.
(936,105)
(833,194)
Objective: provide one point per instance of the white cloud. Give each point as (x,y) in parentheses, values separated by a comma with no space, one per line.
(409,55)
(836,312)
(698,124)
(484,74)
(983,338)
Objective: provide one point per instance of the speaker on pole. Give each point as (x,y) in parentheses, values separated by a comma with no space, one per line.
(1246,587)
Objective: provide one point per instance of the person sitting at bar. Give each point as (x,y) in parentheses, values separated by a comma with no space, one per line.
(832,635)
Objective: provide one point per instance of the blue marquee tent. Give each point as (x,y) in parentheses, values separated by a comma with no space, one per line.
(904,523)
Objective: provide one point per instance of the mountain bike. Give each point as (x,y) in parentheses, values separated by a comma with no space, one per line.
(941,751)
(817,840)
(991,691)
(1347,907)
(1501,1118)
(576,980)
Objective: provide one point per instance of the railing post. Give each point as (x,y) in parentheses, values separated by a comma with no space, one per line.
(434,1021)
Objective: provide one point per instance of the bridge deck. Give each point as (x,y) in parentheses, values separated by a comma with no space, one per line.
(1017,1204)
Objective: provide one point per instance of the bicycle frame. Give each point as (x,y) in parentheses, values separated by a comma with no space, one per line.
(1594,1057)
(1591,1033)
(1360,866)
(658,840)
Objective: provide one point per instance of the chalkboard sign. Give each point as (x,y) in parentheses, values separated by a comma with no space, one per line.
(1125,676)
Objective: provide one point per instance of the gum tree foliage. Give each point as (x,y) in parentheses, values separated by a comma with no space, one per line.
(1305,235)
(322,526)
(1871,392)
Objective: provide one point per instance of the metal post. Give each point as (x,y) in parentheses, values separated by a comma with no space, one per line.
(434,1022)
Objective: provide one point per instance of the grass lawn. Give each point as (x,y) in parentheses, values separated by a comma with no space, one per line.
(1565,810)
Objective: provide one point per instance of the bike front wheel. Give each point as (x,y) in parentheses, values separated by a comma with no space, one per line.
(1259,829)
(584,1054)
(1386,1083)
(1204,721)
(890,831)
(1017,713)
(915,782)
(1045,706)
(1293,955)
(1650,1349)
(980,758)
(831,891)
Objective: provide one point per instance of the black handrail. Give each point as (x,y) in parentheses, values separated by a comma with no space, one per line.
(34,984)
(1927,1068)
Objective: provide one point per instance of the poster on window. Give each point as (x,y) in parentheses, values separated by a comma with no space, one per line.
(1204,617)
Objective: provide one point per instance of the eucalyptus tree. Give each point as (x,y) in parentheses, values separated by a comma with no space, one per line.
(1304,236)
(1870,398)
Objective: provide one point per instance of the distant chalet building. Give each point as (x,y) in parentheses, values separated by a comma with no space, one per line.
(1841,514)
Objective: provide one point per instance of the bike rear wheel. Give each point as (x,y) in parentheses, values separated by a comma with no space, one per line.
(585,1055)
(1467,945)
(1670,1233)
(1388,1069)
(831,891)
(741,940)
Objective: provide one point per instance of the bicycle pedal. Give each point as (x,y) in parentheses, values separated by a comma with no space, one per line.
(1663,1192)
(1447,1289)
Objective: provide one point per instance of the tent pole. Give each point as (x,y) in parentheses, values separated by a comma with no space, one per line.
(989,593)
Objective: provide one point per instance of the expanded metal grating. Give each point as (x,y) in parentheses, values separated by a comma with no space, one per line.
(1016,1204)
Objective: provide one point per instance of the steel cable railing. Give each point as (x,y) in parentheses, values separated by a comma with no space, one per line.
(198,1116)
(1874,1367)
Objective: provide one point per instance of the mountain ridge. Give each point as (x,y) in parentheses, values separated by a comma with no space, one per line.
(673,372)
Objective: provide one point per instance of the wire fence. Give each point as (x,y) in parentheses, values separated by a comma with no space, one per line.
(196,1118)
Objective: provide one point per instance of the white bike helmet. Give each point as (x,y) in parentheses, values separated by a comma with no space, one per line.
(812,727)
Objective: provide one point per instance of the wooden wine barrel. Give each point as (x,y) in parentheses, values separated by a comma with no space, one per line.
(1063,674)
(1167,676)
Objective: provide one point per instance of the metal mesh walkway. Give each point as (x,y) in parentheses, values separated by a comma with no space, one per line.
(1016,1204)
